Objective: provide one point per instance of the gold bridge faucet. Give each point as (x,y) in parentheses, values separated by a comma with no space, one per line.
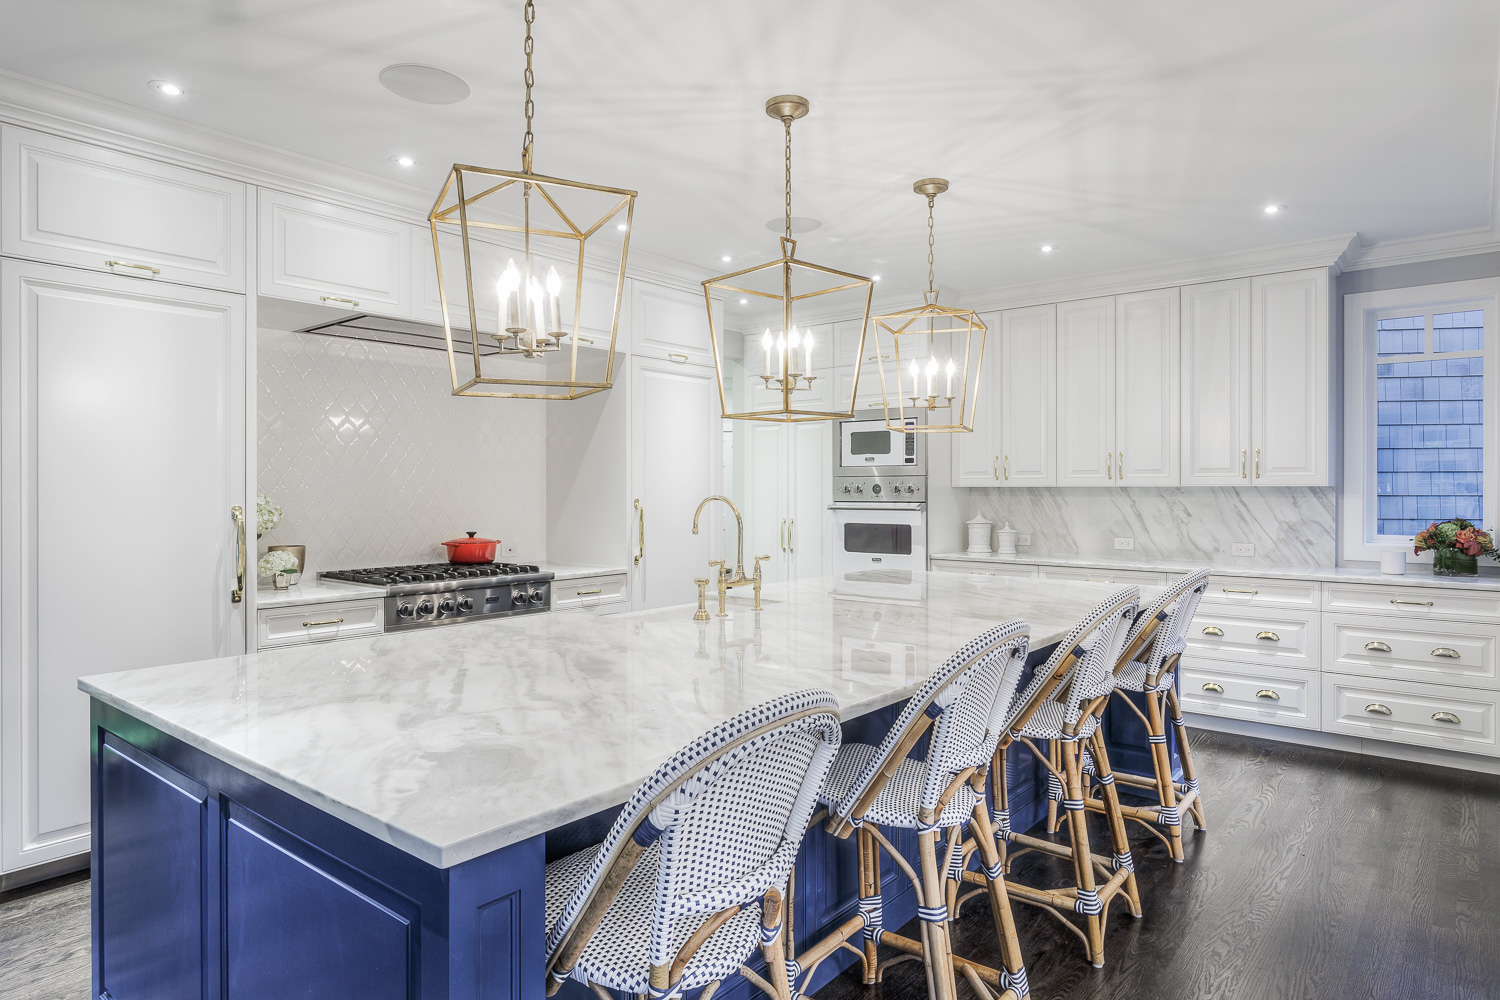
(728,581)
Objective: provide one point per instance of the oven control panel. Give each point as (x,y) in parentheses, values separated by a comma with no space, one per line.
(911,489)
(448,607)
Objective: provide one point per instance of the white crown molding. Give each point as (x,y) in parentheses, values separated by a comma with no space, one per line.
(46,107)
(1389,253)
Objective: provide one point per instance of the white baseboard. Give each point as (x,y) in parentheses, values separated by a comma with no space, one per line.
(1352,744)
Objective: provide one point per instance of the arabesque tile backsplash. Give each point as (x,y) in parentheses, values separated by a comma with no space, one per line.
(375,463)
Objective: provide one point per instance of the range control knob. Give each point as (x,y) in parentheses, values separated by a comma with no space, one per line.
(858,488)
(465,604)
(518,596)
(910,489)
(446,605)
(424,607)
(875,489)
(404,610)
(848,489)
(537,596)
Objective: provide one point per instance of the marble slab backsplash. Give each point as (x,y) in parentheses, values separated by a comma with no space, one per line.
(1289,526)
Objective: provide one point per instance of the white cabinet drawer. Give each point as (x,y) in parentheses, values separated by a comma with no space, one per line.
(1255,637)
(1102,575)
(317,622)
(984,569)
(1251,592)
(314,252)
(1386,646)
(1413,602)
(1426,715)
(1278,696)
(590,593)
(72,203)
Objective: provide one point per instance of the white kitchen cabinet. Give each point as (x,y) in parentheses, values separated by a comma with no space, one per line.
(1290,396)
(1086,392)
(787,489)
(1028,394)
(124,432)
(300,624)
(71,203)
(675,446)
(976,454)
(1147,406)
(848,348)
(315,252)
(1216,383)
(672,324)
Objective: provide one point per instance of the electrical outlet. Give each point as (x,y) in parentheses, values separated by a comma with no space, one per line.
(1023,540)
(1243,548)
(1126,544)
(507,549)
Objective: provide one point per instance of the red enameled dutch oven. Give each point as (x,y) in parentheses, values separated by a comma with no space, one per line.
(471,549)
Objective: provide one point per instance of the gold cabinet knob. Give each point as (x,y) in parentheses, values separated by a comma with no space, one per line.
(1268,635)
(1268,694)
(1447,717)
(1212,630)
(1447,654)
(1377,708)
(1215,688)
(1377,646)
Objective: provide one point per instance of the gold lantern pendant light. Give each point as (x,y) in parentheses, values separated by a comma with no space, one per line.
(932,354)
(525,335)
(787,387)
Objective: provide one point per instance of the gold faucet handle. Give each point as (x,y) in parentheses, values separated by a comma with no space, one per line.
(758,561)
(701,615)
(718,563)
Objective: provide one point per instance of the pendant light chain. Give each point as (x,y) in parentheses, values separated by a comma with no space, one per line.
(787,124)
(530,82)
(930,242)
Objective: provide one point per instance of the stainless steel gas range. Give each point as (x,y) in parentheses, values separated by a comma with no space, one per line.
(449,593)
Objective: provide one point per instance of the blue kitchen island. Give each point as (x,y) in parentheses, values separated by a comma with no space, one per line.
(370,819)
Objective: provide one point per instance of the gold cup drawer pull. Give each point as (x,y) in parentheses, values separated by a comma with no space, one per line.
(1215,688)
(1268,694)
(1237,590)
(1213,630)
(585,593)
(1268,635)
(1377,708)
(352,303)
(328,621)
(1376,646)
(1415,604)
(138,267)
(1445,653)
(1447,717)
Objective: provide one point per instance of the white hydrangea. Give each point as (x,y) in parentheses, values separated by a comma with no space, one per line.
(267,514)
(278,561)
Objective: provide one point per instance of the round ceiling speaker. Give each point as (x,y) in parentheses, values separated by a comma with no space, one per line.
(423,84)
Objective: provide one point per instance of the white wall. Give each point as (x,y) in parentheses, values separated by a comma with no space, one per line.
(375,463)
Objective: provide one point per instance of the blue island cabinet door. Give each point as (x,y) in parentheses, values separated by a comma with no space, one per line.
(301,924)
(153,920)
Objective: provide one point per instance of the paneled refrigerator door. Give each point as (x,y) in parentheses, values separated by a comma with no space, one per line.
(123,452)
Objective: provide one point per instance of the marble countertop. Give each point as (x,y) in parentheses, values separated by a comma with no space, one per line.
(576,571)
(315,591)
(1416,575)
(451,743)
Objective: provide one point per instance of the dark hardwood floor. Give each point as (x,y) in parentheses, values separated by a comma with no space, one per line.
(1323,876)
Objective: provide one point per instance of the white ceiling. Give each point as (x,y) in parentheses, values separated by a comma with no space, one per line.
(1124,133)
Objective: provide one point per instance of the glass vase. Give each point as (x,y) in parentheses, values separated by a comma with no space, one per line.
(1451,562)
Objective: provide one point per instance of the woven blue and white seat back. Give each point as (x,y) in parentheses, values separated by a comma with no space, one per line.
(1100,637)
(1175,610)
(967,695)
(730,811)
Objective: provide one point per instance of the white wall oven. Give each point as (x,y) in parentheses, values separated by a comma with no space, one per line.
(880,549)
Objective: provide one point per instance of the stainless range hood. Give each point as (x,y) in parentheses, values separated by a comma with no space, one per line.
(299,317)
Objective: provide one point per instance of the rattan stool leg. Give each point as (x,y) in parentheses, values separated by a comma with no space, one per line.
(1054,755)
(1104,774)
(1000,796)
(1189,771)
(1005,920)
(869,888)
(1083,859)
(1166,788)
(939,951)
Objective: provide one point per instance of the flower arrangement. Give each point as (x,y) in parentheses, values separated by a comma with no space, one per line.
(267,514)
(278,561)
(1455,546)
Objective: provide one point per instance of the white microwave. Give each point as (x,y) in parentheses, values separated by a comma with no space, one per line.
(867,446)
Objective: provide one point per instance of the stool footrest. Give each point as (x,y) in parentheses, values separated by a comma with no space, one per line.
(906,944)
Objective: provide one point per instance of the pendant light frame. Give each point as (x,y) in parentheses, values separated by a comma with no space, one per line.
(783,381)
(961,329)
(454,210)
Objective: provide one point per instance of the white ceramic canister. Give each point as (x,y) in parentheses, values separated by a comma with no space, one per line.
(1393,562)
(979,536)
(1005,540)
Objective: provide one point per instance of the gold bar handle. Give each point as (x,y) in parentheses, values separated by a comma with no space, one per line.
(335,298)
(1268,635)
(586,593)
(791,542)
(586,340)
(330,621)
(1237,590)
(1377,708)
(641,516)
(238,594)
(1257,463)
(1121,464)
(1448,717)
(1212,630)
(781,537)
(1242,463)
(1268,694)
(1376,646)
(138,267)
(681,359)
(1447,654)
(1215,688)
(1109,465)
(1415,604)
(1007,468)
(995,468)
(877,357)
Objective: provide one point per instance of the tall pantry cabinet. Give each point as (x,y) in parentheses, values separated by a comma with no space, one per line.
(124,382)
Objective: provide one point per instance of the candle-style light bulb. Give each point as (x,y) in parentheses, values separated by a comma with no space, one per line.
(554,301)
(949,370)
(932,367)
(765,343)
(793,341)
(510,309)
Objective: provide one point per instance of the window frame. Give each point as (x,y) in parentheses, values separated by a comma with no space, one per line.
(1358,499)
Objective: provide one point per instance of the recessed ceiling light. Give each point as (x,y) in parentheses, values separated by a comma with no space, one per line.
(403,161)
(1274,209)
(744,302)
(1047,248)
(622,227)
(874,277)
(423,84)
(726,258)
(167,87)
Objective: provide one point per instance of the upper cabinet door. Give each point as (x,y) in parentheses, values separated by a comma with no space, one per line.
(1289,391)
(670,323)
(976,455)
(1028,381)
(71,203)
(315,252)
(1085,392)
(1147,390)
(1216,383)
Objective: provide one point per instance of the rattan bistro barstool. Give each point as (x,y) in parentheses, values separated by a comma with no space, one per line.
(1058,706)
(1148,667)
(869,788)
(690,880)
